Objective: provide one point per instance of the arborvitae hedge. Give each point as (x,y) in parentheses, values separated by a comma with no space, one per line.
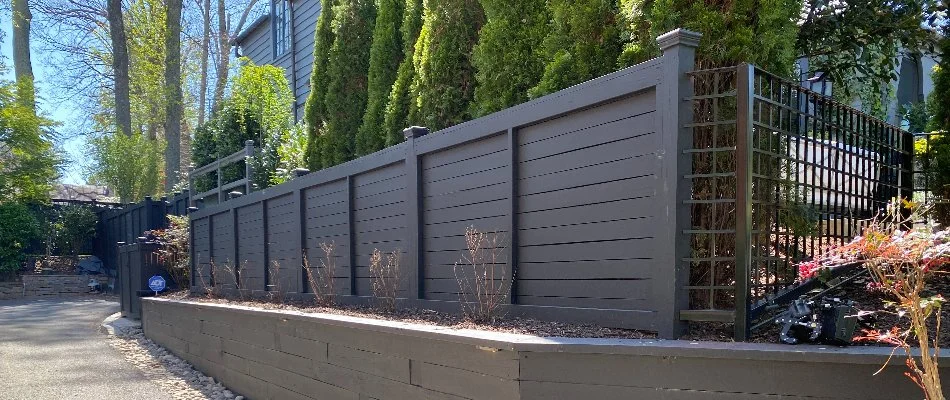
(584,43)
(385,56)
(348,67)
(756,31)
(315,111)
(397,107)
(445,78)
(507,58)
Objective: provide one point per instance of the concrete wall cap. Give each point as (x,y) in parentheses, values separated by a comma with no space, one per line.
(678,36)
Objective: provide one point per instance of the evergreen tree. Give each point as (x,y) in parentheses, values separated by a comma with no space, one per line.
(445,78)
(584,43)
(348,67)
(756,31)
(397,107)
(385,56)
(508,59)
(314,111)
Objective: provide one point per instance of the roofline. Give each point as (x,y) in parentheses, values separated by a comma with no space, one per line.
(250,28)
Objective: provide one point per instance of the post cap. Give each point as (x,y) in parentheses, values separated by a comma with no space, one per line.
(249,143)
(235,194)
(192,209)
(415,131)
(298,172)
(678,36)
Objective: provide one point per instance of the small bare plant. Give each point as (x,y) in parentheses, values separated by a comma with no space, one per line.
(385,275)
(482,276)
(274,288)
(205,284)
(236,277)
(322,278)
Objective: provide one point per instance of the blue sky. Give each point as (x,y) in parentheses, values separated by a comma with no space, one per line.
(63,112)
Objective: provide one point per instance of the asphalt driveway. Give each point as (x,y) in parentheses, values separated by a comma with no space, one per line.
(51,349)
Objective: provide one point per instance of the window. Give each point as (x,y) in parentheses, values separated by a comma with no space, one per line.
(281,27)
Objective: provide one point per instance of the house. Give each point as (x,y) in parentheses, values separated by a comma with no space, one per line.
(284,37)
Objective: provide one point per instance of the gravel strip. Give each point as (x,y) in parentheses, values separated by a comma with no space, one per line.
(175,376)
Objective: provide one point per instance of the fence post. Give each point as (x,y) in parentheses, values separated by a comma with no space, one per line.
(191,186)
(248,167)
(744,147)
(351,234)
(415,259)
(513,218)
(673,90)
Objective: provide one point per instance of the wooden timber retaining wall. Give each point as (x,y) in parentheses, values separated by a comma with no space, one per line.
(582,182)
(266,354)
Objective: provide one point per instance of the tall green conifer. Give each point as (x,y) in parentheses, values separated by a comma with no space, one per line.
(385,56)
(397,107)
(508,58)
(348,67)
(584,43)
(315,111)
(445,78)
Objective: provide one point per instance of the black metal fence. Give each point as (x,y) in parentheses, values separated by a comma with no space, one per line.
(779,173)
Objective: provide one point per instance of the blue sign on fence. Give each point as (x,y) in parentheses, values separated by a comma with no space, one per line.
(156,283)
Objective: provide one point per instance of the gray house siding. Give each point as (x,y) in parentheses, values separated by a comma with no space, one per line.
(258,44)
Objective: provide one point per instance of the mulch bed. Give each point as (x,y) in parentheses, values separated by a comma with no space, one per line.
(865,301)
(523,326)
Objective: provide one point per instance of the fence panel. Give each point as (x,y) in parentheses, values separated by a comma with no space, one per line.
(779,173)
(581,184)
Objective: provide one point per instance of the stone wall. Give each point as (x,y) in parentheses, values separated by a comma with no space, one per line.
(51,285)
(265,354)
(11,290)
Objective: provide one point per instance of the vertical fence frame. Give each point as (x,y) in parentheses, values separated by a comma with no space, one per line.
(744,150)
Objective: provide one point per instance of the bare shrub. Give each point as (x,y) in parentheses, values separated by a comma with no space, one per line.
(385,275)
(206,286)
(273,288)
(236,276)
(322,278)
(482,276)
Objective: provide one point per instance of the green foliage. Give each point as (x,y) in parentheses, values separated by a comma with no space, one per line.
(385,56)
(760,32)
(174,251)
(399,102)
(938,102)
(74,225)
(583,43)
(18,227)
(130,165)
(507,58)
(315,110)
(290,152)
(348,67)
(858,40)
(444,82)
(258,109)
(28,161)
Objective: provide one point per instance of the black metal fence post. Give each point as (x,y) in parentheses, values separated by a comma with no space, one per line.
(744,149)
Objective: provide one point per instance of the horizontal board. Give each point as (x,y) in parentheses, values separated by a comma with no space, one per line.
(455,228)
(599,289)
(582,119)
(495,191)
(330,189)
(631,168)
(486,162)
(597,269)
(381,212)
(585,302)
(601,153)
(588,137)
(608,230)
(452,155)
(601,193)
(617,249)
(383,176)
(468,212)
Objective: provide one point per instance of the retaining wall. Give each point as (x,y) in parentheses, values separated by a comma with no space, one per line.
(11,290)
(266,354)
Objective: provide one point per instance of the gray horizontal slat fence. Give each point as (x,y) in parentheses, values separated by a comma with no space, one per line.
(580,184)
(126,224)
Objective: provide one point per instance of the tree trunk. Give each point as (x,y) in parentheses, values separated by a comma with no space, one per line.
(173,104)
(224,58)
(120,66)
(22,65)
(205,53)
